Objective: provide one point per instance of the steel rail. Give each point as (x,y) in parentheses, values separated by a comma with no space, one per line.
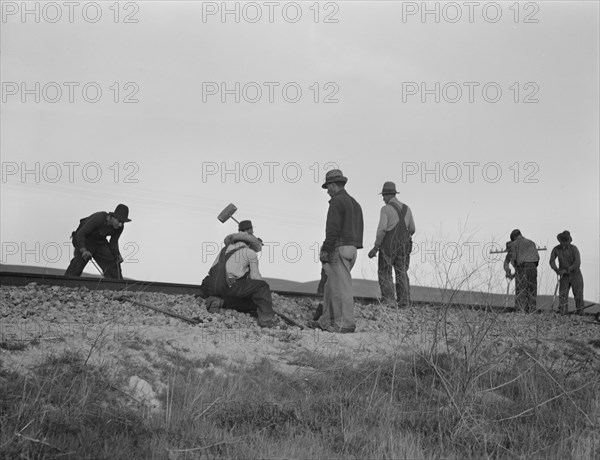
(23,279)
(126,285)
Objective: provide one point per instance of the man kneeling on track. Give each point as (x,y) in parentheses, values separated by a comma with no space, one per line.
(235,282)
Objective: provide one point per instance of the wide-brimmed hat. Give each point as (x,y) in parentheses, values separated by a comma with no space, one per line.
(245,225)
(513,235)
(389,188)
(564,237)
(334,176)
(121,213)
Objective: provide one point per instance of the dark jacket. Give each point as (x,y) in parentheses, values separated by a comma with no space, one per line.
(523,251)
(344,223)
(94,229)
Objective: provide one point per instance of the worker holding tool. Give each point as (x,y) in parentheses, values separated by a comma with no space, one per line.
(90,242)
(343,237)
(569,271)
(234,280)
(393,241)
(523,256)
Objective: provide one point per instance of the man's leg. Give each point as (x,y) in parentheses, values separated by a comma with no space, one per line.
(531,273)
(577,286)
(401,263)
(321,287)
(259,293)
(106,261)
(326,318)
(384,273)
(77,264)
(338,307)
(563,294)
(348,255)
(520,289)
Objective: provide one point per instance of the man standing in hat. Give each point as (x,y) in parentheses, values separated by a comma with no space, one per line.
(90,242)
(523,256)
(343,237)
(569,271)
(234,280)
(393,241)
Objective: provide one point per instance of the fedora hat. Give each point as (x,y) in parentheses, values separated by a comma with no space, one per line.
(121,213)
(334,176)
(564,237)
(245,225)
(514,234)
(388,189)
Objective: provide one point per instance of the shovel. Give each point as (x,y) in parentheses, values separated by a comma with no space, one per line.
(227,213)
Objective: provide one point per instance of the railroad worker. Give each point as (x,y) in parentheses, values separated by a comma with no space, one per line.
(393,241)
(343,237)
(569,271)
(90,242)
(523,256)
(234,280)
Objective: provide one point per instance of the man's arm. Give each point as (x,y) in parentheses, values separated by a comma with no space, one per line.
(577,262)
(380,234)
(411,221)
(333,226)
(114,243)
(507,264)
(381,227)
(252,259)
(93,222)
(553,256)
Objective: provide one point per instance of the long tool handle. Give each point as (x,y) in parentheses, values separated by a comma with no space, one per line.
(97,268)
(166,312)
(289,320)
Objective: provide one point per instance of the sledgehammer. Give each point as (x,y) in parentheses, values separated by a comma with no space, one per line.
(227,213)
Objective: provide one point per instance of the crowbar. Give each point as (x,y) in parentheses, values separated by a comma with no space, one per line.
(289,320)
(504,251)
(160,310)
(97,267)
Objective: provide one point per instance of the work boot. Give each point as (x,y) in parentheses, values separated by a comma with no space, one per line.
(214,304)
(268,324)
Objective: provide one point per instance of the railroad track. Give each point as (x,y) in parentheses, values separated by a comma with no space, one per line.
(23,279)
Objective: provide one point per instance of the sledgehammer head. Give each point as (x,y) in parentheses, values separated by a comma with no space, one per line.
(227,213)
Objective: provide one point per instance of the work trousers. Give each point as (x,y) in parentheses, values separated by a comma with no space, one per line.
(399,291)
(526,287)
(573,281)
(101,254)
(247,295)
(338,301)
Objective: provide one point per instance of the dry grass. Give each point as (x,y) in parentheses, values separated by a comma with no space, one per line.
(423,406)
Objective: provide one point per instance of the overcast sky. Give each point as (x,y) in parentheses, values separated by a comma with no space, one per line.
(486,116)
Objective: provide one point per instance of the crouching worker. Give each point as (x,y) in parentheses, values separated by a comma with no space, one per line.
(235,282)
(90,242)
